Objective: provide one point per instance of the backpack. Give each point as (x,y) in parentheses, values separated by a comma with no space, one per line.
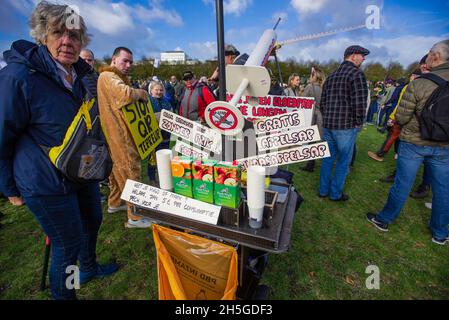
(434,118)
(83,155)
(200,91)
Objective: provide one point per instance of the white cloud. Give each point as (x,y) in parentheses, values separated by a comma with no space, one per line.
(108,18)
(308,6)
(383,50)
(280,14)
(235,7)
(203,50)
(23,6)
(157,12)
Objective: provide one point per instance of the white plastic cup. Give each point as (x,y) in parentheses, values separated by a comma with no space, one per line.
(255,195)
(163,160)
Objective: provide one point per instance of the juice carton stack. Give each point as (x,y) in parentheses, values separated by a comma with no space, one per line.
(182,175)
(203,180)
(227,177)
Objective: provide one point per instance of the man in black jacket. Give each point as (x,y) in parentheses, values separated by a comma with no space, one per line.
(343,105)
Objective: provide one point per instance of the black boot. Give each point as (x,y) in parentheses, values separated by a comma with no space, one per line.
(309,167)
(421,192)
(389,179)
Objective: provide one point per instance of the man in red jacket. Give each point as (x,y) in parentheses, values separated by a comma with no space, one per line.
(196,98)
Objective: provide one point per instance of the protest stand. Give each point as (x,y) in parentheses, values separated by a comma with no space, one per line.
(238,202)
(252,244)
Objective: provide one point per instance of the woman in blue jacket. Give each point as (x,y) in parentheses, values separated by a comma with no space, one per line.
(41,94)
(158,102)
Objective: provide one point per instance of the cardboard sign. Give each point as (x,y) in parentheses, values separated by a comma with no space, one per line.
(279,123)
(288,138)
(187,150)
(270,106)
(293,155)
(143,126)
(149,197)
(191,131)
(225,118)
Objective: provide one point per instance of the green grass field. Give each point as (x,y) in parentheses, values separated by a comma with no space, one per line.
(332,245)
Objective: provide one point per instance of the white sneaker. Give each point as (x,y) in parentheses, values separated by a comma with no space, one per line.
(428,205)
(142,223)
(117,209)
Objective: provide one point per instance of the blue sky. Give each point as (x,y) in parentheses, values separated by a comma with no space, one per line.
(407,28)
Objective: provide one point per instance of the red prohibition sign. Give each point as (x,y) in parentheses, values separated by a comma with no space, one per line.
(223,119)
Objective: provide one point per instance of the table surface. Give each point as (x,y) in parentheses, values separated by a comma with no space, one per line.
(274,239)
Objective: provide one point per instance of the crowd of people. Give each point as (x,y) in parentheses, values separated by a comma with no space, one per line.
(47,82)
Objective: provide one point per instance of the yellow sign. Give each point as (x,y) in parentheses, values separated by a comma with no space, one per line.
(143,126)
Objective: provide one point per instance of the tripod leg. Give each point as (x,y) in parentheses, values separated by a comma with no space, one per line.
(45,266)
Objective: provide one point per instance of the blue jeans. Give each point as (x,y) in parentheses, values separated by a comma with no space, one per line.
(410,158)
(341,147)
(371,111)
(71,222)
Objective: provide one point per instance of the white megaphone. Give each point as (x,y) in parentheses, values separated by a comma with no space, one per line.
(251,79)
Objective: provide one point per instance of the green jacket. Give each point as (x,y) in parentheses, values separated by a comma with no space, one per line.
(412,103)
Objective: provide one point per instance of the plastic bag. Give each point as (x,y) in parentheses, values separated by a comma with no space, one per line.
(194,268)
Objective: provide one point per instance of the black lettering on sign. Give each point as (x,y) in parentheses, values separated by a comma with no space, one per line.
(142,128)
(142,108)
(130,110)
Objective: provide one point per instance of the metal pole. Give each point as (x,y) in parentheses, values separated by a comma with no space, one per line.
(221,50)
(279,67)
(227,145)
(45,266)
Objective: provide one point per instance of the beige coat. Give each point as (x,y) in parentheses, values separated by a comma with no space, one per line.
(115,92)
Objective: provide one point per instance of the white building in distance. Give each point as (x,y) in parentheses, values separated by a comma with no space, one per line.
(173,57)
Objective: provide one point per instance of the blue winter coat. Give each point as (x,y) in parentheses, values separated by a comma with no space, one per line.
(35,109)
(158,104)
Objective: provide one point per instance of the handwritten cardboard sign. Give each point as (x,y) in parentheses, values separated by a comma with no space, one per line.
(149,197)
(279,123)
(187,150)
(269,106)
(191,131)
(289,138)
(292,155)
(143,126)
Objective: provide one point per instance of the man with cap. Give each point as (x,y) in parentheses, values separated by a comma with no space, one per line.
(197,96)
(343,105)
(232,56)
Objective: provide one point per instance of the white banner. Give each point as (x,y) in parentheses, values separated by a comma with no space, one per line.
(288,138)
(191,131)
(168,202)
(187,150)
(279,123)
(270,106)
(293,155)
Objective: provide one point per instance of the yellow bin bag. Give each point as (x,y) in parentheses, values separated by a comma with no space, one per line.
(194,268)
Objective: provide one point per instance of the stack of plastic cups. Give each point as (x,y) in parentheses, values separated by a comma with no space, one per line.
(163,160)
(256,195)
